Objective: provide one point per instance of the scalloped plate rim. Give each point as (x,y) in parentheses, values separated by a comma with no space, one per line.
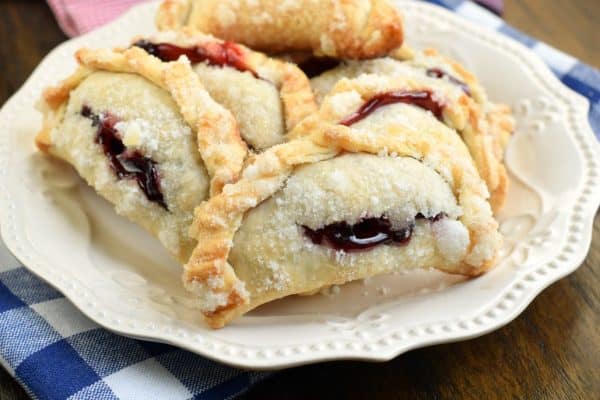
(317,355)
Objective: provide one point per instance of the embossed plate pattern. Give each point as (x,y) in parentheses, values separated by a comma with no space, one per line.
(119,276)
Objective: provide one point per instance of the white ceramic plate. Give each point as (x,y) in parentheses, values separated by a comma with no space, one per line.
(121,278)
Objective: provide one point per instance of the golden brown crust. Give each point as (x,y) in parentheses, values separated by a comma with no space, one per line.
(481,143)
(349,29)
(498,196)
(502,125)
(55,96)
(317,138)
(220,145)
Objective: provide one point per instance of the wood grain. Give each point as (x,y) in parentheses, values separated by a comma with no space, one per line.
(551,351)
(28,33)
(571,25)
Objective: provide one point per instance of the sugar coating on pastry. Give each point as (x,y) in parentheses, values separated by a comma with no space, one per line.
(254,102)
(149,122)
(347,188)
(207,295)
(484,126)
(451,238)
(416,132)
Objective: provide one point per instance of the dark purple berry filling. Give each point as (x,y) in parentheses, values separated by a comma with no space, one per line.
(217,54)
(365,234)
(439,74)
(127,164)
(420,98)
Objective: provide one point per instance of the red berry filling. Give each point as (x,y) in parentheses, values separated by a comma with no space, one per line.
(365,234)
(217,54)
(421,98)
(127,164)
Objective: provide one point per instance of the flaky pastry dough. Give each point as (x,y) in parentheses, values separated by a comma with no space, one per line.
(350,29)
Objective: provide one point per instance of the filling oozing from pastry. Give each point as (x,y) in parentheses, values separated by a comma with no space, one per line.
(253,99)
(365,234)
(126,164)
(141,155)
(342,219)
(216,54)
(439,73)
(436,71)
(421,98)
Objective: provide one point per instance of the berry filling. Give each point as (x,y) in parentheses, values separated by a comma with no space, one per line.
(364,235)
(421,98)
(127,164)
(217,54)
(440,74)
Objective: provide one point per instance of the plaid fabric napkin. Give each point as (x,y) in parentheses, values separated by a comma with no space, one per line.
(57,353)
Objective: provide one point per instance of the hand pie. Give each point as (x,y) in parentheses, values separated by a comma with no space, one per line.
(349,29)
(367,185)
(146,135)
(485,127)
(266,96)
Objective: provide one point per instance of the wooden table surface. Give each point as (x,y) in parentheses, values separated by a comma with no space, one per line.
(551,351)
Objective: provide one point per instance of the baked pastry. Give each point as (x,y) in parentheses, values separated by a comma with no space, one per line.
(484,126)
(349,29)
(146,135)
(499,116)
(267,97)
(495,121)
(366,185)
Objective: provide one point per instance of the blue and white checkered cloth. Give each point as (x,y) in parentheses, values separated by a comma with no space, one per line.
(57,353)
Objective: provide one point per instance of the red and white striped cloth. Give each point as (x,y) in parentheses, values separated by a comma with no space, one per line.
(80,16)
